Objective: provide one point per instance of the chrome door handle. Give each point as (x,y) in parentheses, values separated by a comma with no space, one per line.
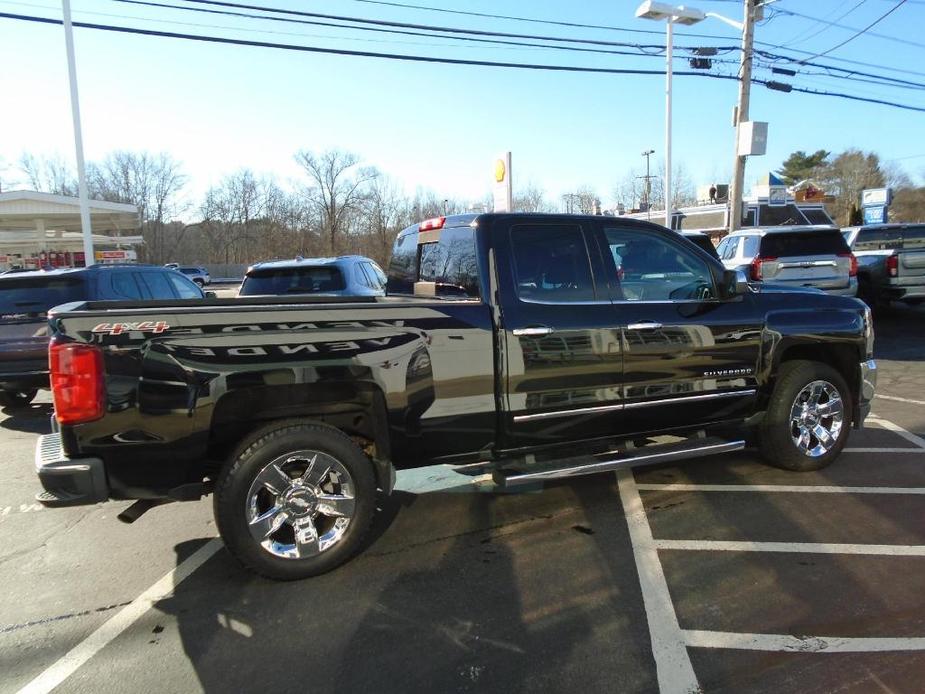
(533,331)
(644,325)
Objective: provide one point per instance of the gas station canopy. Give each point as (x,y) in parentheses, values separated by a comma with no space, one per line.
(38,229)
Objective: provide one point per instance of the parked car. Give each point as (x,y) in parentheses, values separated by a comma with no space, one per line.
(891,262)
(793,256)
(26,297)
(512,343)
(702,241)
(197,273)
(347,275)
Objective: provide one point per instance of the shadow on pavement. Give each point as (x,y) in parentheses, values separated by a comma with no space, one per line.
(34,419)
(899,332)
(459,592)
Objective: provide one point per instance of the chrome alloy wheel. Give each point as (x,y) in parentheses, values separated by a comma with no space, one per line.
(816,418)
(300,504)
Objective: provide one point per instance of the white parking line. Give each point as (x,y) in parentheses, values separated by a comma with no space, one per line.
(908,435)
(893,397)
(797,547)
(771,488)
(672,662)
(884,450)
(800,644)
(115,625)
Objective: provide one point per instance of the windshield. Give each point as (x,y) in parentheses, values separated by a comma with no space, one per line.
(20,296)
(317,279)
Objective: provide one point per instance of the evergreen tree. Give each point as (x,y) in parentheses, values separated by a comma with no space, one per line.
(800,165)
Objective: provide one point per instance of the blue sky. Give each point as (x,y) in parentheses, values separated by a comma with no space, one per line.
(218,108)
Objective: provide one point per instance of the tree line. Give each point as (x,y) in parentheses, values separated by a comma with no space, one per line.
(341,206)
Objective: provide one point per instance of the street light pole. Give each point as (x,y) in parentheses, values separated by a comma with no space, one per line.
(82,193)
(669,53)
(741,116)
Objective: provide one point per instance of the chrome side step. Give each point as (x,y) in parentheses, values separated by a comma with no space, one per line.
(589,465)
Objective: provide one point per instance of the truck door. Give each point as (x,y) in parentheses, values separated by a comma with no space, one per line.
(689,358)
(561,360)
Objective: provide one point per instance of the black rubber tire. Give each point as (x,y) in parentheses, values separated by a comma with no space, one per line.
(258,449)
(16,399)
(774,441)
(200,282)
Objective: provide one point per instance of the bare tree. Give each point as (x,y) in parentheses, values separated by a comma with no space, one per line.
(846,176)
(152,182)
(51,174)
(532,198)
(337,188)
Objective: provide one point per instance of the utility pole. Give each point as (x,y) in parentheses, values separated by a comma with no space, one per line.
(741,115)
(648,178)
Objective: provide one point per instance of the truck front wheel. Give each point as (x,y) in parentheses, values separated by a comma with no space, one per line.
(295,500)
(808,420)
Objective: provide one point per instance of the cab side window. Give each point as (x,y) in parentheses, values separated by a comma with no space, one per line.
(651,268)
(551,263)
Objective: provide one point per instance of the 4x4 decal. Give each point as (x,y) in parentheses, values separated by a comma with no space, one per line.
(143,327)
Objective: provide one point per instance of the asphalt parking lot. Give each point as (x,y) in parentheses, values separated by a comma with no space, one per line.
(720,574)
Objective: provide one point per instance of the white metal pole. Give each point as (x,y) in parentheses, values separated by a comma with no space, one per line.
(78,137)
(745,83)
(668,53)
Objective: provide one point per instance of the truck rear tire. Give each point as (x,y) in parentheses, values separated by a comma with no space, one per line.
(808,419)
(295,500)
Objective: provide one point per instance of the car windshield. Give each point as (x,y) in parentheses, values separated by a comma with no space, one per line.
(318,279)
(789,244)
(25,295)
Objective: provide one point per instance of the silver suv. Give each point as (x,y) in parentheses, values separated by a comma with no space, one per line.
(793,256)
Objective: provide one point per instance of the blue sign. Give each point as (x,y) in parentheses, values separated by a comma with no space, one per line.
(875,214)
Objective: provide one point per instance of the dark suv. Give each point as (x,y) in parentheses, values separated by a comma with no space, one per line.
(26,297)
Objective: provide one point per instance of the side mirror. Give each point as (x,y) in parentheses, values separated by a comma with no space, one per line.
(735,283)
(211,295)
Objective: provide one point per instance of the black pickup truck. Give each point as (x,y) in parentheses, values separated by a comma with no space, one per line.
(531,346)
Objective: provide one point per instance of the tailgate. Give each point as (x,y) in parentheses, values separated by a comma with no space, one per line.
(911,264)
(23,344)
(821,271)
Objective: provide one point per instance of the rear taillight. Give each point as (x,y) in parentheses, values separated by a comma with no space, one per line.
(76,381)
(853,269)
(892,266)
(755,267)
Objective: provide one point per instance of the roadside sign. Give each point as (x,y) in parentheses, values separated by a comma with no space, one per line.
(875,214)
(875,196)
(502,191)
(777,196)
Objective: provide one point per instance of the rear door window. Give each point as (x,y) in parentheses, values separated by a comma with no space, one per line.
(793,244)
(551,263)
(158,285)
(21,296)
(310,279)
(124,286)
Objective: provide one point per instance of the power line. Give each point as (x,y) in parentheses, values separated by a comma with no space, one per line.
(829,24)
(854,36)
(807,34)
(458,35)
(429,59)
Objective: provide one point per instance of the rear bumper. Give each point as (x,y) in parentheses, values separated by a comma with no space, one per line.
(868,381)
(850,290)
(67,481)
